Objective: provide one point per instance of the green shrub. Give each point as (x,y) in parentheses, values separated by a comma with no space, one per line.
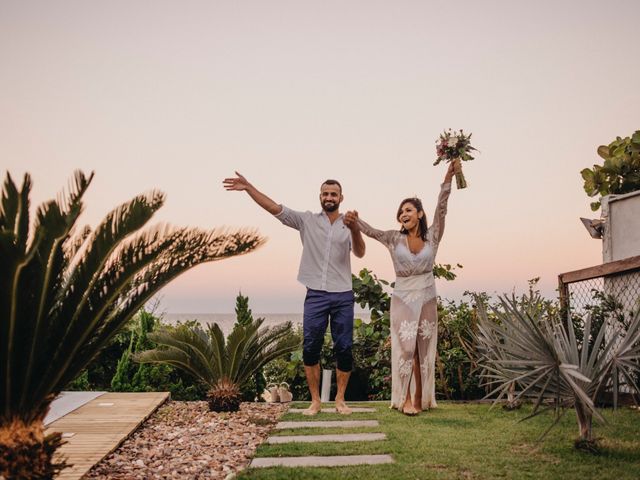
(223,364)
(252,389)
(114,370)
(620,172)
(455,362)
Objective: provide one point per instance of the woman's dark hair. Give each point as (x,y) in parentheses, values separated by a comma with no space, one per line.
(422,222)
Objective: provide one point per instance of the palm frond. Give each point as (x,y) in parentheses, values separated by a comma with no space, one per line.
(54,223)
(64,295)
(190,247)
(247,349)
(184,348)
(218,354)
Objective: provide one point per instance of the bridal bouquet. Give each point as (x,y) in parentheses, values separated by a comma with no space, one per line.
(453,146)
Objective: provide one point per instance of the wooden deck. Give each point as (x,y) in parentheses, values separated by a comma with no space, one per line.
(100,426)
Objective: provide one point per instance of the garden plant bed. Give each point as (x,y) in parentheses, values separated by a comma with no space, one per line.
(185,440)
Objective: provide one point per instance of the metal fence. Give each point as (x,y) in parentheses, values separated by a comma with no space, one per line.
(609,293)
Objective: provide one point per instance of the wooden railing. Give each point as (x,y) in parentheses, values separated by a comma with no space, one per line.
(605,270)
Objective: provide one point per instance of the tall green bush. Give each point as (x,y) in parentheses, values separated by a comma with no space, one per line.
(456,359)
(620,172)
(252,389)
(114,370)
(372,340)
(133,377)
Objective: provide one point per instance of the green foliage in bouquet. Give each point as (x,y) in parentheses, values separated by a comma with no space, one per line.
(620,172)
(453,146)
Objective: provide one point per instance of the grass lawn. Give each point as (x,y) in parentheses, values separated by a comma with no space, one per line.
(466,441)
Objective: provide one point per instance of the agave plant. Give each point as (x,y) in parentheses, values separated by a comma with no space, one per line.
(223,366)
(529,346)
(65,292)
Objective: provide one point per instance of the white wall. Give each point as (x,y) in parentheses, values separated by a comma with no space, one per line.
(622,226)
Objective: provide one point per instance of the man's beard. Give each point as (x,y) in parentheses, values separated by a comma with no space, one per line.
(330,208)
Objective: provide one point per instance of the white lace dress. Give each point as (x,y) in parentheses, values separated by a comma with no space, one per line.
(414,313)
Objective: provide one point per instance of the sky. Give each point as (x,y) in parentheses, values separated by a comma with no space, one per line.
(177,96)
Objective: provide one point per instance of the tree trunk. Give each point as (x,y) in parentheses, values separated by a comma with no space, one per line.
(461,382)
(585,420)
(511,393)
(25,452)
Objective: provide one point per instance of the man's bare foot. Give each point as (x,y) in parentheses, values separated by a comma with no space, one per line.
(342,408)
(313,409)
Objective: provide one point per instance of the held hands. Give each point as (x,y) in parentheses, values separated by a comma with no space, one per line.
(238,183)
(350,219)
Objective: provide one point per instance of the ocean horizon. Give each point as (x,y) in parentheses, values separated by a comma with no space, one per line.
(226,320)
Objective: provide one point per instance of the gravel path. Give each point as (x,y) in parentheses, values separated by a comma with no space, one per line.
(184,440)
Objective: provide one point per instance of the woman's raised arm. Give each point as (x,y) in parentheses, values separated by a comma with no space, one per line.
(437,227)
(383,236)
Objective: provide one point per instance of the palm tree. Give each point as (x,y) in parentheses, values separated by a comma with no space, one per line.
(530,346)
(224,367)
(65,292)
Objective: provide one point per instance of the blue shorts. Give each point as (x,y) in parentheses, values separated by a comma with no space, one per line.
(320,308)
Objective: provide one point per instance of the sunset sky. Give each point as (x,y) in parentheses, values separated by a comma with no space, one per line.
(178,95)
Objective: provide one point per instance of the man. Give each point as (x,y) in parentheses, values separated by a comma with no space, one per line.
(325,269)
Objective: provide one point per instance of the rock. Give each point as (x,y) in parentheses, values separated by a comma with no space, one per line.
(185,440)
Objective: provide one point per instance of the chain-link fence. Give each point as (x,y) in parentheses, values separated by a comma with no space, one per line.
(609,293)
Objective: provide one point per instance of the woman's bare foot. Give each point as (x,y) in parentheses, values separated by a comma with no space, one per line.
(409,409)
(313,409)
(417,404)
(342,408)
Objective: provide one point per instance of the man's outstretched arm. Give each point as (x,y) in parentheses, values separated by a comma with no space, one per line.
(239,183)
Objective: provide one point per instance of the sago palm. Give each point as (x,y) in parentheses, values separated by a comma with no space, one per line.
(533,348)
(223,366)
(64,293)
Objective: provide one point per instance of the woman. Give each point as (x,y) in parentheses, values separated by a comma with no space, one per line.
(414,314)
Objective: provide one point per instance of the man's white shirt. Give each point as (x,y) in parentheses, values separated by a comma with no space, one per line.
(326,250)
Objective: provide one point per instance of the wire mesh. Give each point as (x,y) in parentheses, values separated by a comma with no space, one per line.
(612,298)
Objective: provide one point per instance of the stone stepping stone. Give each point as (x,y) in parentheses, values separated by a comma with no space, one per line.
(333,410)
(328,424)
(349,437)
(328,461)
